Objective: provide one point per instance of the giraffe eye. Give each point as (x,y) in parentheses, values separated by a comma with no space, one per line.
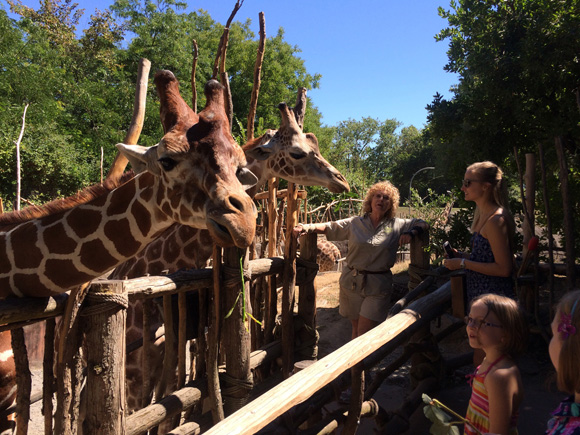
(167,163)
(297,156)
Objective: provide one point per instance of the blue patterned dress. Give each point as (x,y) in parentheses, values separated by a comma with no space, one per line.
(565,419)
(478,283)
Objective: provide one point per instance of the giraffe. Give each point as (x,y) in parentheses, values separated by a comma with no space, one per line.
(287,153)
(194,176)
(191,177)
(327,256)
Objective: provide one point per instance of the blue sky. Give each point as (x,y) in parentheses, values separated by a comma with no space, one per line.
(377,58)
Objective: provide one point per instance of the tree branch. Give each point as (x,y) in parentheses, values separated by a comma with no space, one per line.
(257,77)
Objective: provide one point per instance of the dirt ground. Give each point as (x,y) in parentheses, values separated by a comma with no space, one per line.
(541,395)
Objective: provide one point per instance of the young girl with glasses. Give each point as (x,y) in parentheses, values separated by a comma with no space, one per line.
(489,264)
(565,355)
(495,325)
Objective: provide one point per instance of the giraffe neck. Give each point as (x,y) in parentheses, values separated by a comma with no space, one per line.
(57,252)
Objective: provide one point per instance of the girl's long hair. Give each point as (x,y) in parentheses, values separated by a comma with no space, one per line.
(489,172)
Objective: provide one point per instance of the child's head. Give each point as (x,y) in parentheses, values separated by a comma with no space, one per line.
(565,343)
(497,321)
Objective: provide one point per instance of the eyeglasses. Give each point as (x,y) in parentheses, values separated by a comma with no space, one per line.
(477,324)
(467,183)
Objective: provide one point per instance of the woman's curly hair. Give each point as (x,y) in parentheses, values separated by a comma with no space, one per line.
(391,191)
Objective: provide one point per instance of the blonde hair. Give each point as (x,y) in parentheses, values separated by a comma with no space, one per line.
(391,191)
(489,172)
(568,370)
(512,320)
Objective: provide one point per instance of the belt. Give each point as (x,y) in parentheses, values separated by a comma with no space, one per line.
(356,272)
(364,273)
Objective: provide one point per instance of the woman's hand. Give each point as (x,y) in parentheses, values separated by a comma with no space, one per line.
(405,239)
(298,231)
(453,263)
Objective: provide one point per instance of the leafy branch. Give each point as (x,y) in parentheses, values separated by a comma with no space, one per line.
(443,424)
(242,293)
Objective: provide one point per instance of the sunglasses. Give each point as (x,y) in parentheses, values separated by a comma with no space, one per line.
(478,324)
(467,183)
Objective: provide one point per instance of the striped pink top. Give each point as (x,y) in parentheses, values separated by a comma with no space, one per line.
(478,409)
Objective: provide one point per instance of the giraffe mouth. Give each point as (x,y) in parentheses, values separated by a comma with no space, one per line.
(220,233)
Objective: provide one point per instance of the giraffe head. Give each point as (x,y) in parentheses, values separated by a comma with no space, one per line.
(294,156)
(201,169)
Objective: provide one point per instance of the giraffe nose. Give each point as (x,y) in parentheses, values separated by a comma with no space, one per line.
(231,221)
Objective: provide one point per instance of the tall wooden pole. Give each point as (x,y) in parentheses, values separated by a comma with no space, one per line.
(237,381)
(289,283)
(105,363)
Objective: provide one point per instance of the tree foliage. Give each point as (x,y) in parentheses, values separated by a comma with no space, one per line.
(519,70)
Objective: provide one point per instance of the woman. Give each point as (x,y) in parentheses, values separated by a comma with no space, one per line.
(489,265)
(373,239)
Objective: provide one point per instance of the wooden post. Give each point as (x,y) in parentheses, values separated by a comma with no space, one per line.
(568,213)
(530,198)
(307,300)
(213,381)
(271,295)
(289,284)
(419,262)
(23,380)
(237,381)
(105,337)
(48,375)
(458,296)
(134,131)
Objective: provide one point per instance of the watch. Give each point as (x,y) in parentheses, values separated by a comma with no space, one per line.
(462,265)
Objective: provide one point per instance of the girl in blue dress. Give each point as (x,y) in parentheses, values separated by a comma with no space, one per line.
(489,264)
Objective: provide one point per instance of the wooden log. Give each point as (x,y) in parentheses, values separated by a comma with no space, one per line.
(189,428)
(216,405)
(237,382)
(16,310)
(281,194)
(147,390)
(48,375)
(369,409)
(356,400)
(181,340)
(289,284)
(257,76)
(134,130)
(307,296)
(23,380)
(155,286)
(180,400)
(568,213)
(458,296)
(272,295)
(68,385)
(300,387)
(528,225)
(105,338)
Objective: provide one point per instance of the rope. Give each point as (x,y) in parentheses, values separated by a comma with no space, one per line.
(100,303)
(232,275)
(240,387)
(311,268)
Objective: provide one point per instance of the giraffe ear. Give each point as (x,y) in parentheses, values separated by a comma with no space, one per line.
(261,152)
(141,158)
(247,178)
